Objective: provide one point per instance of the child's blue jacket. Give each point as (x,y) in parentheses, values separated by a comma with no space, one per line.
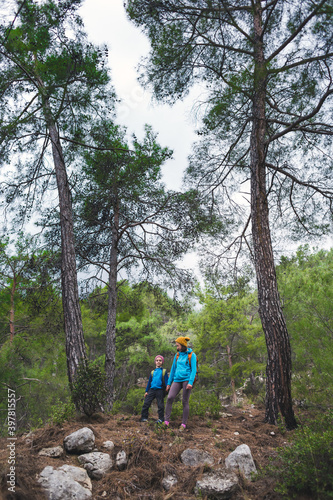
(155,381)
(181,370)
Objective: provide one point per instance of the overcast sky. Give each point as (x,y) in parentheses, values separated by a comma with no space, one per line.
(106,22)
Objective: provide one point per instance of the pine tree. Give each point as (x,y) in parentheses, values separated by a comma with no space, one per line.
(267,72)
(52,82)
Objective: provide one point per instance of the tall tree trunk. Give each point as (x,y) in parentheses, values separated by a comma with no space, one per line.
(278,370)
(110,352)
(12,310)
(233,389)
(75,348)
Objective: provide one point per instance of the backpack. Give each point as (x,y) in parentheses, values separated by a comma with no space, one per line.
(189,360)
(163,381)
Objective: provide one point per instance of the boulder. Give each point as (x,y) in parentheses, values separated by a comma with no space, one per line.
(81,441)
(55,452)
(169,481)
(97,464)
(221,485)
(121,460)
(65,483)
(196,457)
(241,458)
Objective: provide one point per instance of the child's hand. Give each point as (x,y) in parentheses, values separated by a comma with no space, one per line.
(167,388)
(189,386)
(146,394)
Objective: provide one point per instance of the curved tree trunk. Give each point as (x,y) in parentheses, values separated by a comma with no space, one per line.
(278,370)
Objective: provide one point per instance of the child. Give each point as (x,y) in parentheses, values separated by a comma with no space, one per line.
(157,383)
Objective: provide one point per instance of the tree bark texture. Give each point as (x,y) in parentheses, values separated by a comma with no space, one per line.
(12,310)
(75,348)
(278,370)
(232,382)
(110,351)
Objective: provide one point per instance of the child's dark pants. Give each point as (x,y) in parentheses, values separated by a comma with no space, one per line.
(152,394)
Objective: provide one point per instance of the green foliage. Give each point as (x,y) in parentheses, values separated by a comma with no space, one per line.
(120,184)
(88,389)
(306,464)
(202,404)
(33,363)
(229,338)
(306,289)
(177,409)
(205,404)
(132,404)
(62,412)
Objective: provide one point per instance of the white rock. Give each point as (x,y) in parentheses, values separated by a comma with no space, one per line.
(169,481)
(109,445)
(65,483)
(196,457)
(55,452)
(121,460)
(97,464)
(81,441)
(221,485)
(241,458)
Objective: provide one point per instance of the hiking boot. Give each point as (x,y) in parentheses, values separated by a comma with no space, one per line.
(182,428)
(143,420)
(159,421)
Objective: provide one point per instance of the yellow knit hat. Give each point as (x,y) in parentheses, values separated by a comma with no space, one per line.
(183,340)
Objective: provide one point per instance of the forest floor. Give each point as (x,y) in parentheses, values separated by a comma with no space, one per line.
(152,452)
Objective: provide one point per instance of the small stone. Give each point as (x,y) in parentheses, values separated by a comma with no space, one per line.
(194,457)
(169,481)
(109,445)
(97,464)
(55,452)
(121,460)
(236,433)
(221,484)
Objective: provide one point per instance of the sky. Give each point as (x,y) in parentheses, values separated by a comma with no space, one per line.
(106,23)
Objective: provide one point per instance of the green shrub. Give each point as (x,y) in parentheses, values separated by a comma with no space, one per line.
(204,404)
(88,389)
(62,412)
(177,409)
(306,465)
(132,404)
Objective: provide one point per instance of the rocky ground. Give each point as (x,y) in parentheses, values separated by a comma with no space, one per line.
(152,453)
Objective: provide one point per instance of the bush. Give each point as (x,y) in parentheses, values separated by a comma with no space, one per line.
(62,412)
(203,403)
(132,404)
(306,466)
(88,389)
